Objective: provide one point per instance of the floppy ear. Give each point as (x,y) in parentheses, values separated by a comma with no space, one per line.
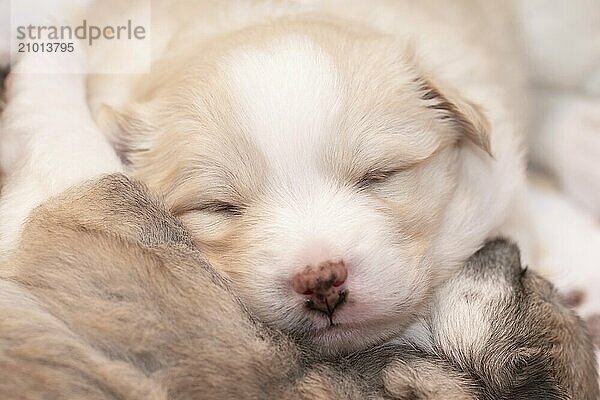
(465,117)
(129,131)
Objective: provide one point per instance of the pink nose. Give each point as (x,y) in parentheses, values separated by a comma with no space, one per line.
(323,285)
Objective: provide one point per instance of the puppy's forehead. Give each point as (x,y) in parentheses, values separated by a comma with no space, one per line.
(310,106)
(288,93)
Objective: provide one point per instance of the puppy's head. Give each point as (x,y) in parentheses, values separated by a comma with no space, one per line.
(316,165)
(507,325)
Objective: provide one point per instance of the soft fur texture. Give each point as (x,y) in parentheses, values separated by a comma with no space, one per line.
(427,104)
(112,278)
(286,134)
(495,304)
(107,297)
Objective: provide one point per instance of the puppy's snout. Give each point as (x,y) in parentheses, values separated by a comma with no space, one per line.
(323,285)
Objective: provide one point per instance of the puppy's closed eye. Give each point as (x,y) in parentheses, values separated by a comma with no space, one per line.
(222,207)
(214,206)
(374,177)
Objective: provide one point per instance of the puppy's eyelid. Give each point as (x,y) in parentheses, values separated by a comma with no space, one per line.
(223,207)
(218,207)
(376,176)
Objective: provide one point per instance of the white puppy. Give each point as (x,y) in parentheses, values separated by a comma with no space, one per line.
(339,160)
(338,168)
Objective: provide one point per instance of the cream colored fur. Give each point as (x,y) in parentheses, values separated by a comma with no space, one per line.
(287,133)
(287,147)
(108,295)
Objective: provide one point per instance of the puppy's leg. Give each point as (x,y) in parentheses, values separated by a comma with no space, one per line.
(570,243)
(427,379)
(49,141)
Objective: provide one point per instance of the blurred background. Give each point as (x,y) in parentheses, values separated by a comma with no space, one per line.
(561,40)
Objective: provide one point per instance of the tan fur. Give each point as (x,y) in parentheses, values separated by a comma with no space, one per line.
(3,75)
(403,102)
(108,297)
(510,325)
(212,157)
(421,379)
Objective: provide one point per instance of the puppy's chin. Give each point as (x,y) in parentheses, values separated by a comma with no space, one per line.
(344,338)
(346,332)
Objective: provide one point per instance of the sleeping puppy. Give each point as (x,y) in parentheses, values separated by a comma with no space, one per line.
(120,288)
(108,297)
(334,159)
(508,327)
(497,331)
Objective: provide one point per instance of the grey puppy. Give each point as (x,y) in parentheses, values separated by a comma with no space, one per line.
(107,297)
(507,329)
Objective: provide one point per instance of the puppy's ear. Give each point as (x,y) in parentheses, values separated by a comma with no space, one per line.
(129,131)
(465,117)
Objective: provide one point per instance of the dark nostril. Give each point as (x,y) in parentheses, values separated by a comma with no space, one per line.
(308,293)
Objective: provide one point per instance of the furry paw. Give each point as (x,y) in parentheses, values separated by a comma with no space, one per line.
(426,379)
